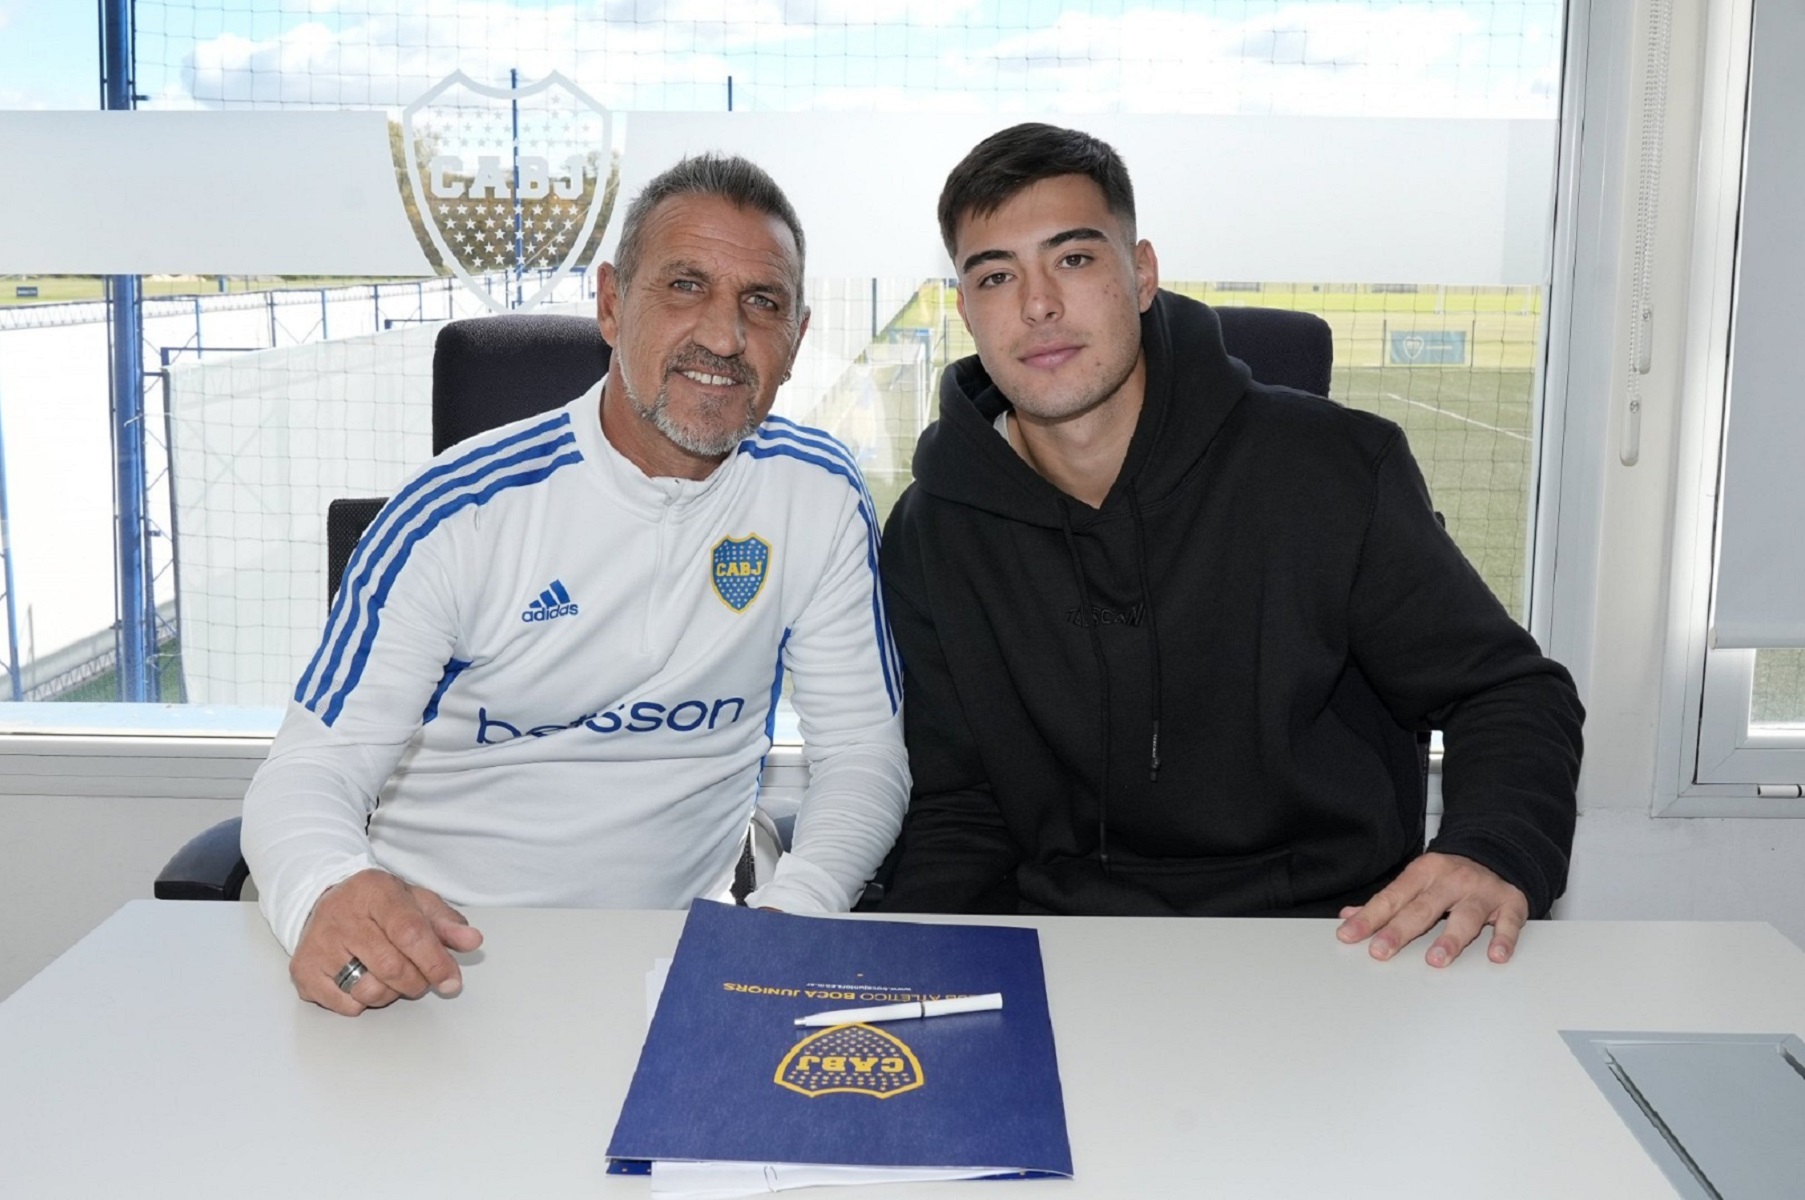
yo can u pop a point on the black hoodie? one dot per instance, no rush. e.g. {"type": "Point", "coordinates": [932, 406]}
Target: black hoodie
{"type": "Point", "coordinates": [1202, 698]}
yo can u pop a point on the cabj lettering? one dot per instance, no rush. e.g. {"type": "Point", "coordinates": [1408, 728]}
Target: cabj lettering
{"type": "Point", "coordinates": [491, 179]}
{"type": "Point", "coordinates": [835, 1064]}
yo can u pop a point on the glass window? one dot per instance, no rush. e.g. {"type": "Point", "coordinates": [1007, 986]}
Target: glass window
{"type": "Point", "coordinates": [265, 398]}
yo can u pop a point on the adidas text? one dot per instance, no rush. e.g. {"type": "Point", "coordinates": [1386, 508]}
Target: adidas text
{"type": "Point", "coordinates": [547, 614]}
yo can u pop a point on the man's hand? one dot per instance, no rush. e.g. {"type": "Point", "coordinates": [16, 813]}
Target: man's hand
{"type": "Point", "coordinates": [1469, 895]}
{"type": "Point", "coordinates": [400, 934]}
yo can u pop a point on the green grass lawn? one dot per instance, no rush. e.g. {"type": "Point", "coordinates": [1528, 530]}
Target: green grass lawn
{"type": "Point", "coordinates": [105, 687]}
{"type": "Point", "coordinates": [1469, 429]}
{"type": "Point", "coordinates": [55, 289]}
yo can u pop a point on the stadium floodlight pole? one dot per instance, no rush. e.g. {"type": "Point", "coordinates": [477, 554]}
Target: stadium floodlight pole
{"type": "Point", "coordinates": [12, 603]}
{"type": "Point", "coordinates": [136, 637]}
{"type": "Point", "coordinates": [519, 241]}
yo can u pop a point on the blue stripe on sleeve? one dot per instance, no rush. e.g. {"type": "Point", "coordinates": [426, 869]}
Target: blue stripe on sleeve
{"type": "Point", "coordinates": [783, 429]}
{"type": "Point", "coordinates": [785, 448]}
{"type": "Point", "coordinates": [776, 691]}
{"type": "Point", "coordinates": [450, 507]}
{"type": "Point", "coordinates": [359, 567]}
{"type": "Point", "coordinates": [779, 427]}
{"type": "Point", "coordinates": [373, 554]}
{"type": "Point", "coordinates": [453, 668]}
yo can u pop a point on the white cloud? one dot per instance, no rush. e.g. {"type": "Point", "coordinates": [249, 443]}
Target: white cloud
{"type": "Point", "coordinates": [1306, 59]}
{"type": "Point", "coordinates": [877, 12]}
{"type": "Point", "coordinates": [1330, 34]}
{"type": "Point", "coordinates": [1312, 57]}
{"type": "Point", "coordinates": [387, 61]}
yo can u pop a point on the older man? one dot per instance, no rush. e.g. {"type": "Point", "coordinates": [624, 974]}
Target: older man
{"type": "Point", "coordinates": [551, 671]}
{"type": "Point", "coordinates": [1170, 633]}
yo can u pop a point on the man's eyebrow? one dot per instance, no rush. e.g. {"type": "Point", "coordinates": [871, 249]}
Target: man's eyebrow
{"type": "Point", "coordinates": [684, 266]}
{"type": "Point", "coordinates": [984, 256]}
{"type": "Point", "coordinates": [773, 288]}
{"type": "Point", "coordinates": [1082, 234]}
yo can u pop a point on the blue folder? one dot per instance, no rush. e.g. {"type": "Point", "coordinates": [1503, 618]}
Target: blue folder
{"type": "Point", "coordinates": [726, 1074]}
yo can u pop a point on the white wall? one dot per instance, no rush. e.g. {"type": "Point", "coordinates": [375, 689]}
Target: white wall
{"type": "Point", "coordinates": [84, 830]}
{"type": "Point", "coordinates": [67, 862]}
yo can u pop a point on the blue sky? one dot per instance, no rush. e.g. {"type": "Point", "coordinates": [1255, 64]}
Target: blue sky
{"type": "Point", "coordinates": [49, 54]}
{"type": "Point", "coordinates": [1372, 57]}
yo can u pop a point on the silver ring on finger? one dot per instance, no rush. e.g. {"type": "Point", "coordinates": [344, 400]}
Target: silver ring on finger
{"type": "Point", "coordinates": [349, 974]}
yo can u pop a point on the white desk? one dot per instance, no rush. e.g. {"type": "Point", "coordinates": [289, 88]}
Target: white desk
{"type": "Point", "coordinates": [166, 1056]}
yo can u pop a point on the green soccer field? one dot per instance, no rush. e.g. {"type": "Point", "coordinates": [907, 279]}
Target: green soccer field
{"type": "Point", "coordinates": [59, 289]}
{"type": "Point", "coordinates": [1469, 429]}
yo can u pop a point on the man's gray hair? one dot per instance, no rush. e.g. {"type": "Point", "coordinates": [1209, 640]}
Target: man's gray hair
{"type": "Point", "coordinates": [739, 181]}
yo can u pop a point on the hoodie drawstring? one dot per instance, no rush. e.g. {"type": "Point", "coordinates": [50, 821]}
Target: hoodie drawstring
{"type": "Point", "coordinates": [1140, 537]}
{"type": "Point", "coordinates": [1087, 615]}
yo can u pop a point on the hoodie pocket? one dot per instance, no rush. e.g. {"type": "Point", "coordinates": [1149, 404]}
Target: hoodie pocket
{"type": "Point", "coordinates": [1208, 886]}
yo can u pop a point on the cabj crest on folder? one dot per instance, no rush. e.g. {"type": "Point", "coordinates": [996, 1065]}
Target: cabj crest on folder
{"type": "Point", "coordinates": [851, 1058]}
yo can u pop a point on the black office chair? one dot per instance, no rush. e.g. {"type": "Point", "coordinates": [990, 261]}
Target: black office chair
{"type": "Point", "coordinates": [491, 370]}
{"type": "Point", "coordinates": [1281, 347]}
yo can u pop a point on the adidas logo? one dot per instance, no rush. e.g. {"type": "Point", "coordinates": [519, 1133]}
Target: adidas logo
{"type": "Point", "coordinates": [552, 603]}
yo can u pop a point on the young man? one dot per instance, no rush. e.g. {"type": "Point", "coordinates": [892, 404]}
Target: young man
{"type": "Point", "coordinates": [550, 674]}
{"type": "Point", "coordinates": [1169, 634]}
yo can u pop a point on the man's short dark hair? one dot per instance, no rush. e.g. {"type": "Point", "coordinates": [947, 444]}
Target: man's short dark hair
{"type": "Point", "coordinates": [1004, 164]}
{"type": "Point", "coordinates": [739, 181]}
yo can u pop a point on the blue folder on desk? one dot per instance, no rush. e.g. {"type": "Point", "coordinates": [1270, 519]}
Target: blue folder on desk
{"type": "Point", "coordinates": [726, 1074]}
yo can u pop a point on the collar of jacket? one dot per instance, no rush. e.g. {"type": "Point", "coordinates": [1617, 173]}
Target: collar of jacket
{"type": "Point", "coordinates": [631, 490]}
{"type": "Point", "coordinates": [1192, 384]}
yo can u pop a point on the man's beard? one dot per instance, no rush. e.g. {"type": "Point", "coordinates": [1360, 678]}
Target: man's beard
{"type": "Point", "coordinates": [702, 443]}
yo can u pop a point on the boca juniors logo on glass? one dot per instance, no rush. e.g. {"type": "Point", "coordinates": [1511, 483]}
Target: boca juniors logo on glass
{"type": "Point", "coordinates": [737, 568]}
{"type": "Point", "coordinates": [851, 1058]}
{"type": "Point", "coordinates": [508, 181]}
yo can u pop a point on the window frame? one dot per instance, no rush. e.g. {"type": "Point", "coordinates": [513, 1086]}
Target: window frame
{"type": "Point", "coordinates": [1713, 763]}
{"type": "Point", "coordinates": [1580, 356]}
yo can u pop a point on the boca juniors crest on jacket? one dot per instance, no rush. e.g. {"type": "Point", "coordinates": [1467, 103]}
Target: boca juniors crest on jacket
{"type": "Point", "coordinates": [739, 566]}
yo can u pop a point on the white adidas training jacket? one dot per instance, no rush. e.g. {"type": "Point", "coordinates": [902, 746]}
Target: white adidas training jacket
{"type": "Point", "coordinates": [560, 677]}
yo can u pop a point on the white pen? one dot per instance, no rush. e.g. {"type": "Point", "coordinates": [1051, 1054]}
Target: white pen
{"type": "Point", "coordinates": [988, 1002]}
